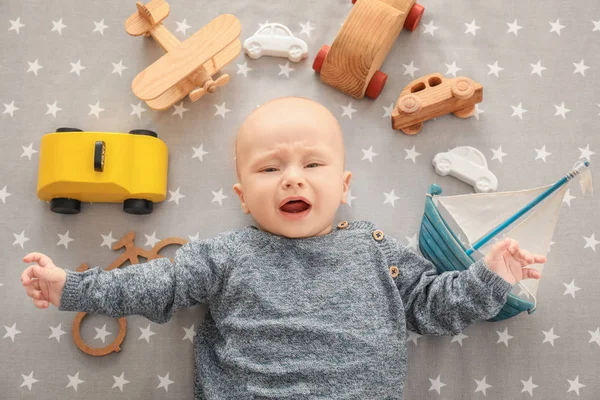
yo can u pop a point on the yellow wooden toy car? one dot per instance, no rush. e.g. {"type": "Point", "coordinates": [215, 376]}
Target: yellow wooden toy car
{"type": "Point", "coordinates": [129, 168]}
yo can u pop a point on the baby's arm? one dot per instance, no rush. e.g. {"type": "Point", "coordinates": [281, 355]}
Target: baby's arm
{"type": "Point", "coordinates": [155, 290]}
{"type": "Point", "coordinates": [447, 303]}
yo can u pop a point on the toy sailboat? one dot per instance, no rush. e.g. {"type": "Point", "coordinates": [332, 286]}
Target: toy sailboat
{"type": "Point", "coordinates": [528, 216]}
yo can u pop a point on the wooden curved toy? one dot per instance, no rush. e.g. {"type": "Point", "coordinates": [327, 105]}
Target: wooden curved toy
{"type": "Point", "coordinates": [352, 62]}
{"type": "Point", "coordinates": [432, 96]}
{"type": "Point", "coordinates": [188, 66]}
{"type": "Point", "coordinates": [130, 254]}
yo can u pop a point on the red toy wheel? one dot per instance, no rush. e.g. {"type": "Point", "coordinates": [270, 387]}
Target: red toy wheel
{"type": "Point", "coordinates": [320, 58]}
{"type": "Point", "coordinates": [376, 85]}
{"type": "Point", "coordinates": [414, 17]}
{"type": "Point", "coordinates": [353, 1]}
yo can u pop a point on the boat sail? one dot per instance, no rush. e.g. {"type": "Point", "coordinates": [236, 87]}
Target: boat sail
{"type": "Point", "coordinates": [528, 216]}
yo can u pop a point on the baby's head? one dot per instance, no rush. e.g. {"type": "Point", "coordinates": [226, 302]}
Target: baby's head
{"type": "Point", "coordinates": [290, 166]}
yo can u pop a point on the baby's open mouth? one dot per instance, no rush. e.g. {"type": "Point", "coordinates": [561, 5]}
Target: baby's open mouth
{"type": "Point", "coordinates": [295, 206]}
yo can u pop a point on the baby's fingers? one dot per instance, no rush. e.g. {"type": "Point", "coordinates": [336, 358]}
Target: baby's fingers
{"type": "Point", "coordinates": [41, 303]}
{"type": "Point", "coordinates": [34, 291]}
{"type": "Point", "coordinates": [531, 273]}
{"type": "Point", "coordinates": [526, 256]}
{"type": "Point", "coordinates": [27, 275]}
{"type": "Point", "coordinates": [42, 259]}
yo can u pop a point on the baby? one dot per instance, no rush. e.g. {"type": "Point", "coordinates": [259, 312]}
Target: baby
{"type": "Point", "coordinates": [298, 308]}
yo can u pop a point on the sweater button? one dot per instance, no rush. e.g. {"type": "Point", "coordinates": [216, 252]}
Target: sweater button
{"type": "Point", "coordinates": [343, 225]}
{"type": "Point", "coordinates": [378, 235]}
{"type": "Point", "coordinates": [394, 271]}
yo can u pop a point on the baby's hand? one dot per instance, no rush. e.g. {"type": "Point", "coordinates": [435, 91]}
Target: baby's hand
{"type": "Point", "coordinates": [510, 262]}
{"type": "Point", "coordinates": [44, 281]}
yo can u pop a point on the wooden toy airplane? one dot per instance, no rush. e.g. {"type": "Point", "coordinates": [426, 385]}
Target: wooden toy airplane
{"type": "Point", "coordinates": [188, 66]}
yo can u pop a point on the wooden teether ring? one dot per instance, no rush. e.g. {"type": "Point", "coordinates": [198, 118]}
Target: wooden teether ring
{"type": "Point", "coordinates": [115, 346]}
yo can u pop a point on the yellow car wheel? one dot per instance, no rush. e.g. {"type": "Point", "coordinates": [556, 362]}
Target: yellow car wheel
{"type": "Point", "coordinates": [138, 206]}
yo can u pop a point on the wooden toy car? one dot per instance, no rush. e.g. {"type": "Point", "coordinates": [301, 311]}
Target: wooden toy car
{"type": "Point", "coordinates": [432, 96]}
{"type": "Point", "coordinates": [128, 168]}
{"type": "Point", "coordinates": [275, 40]}
{"type": "Point", "coordinates": [352, 62]}
{"type": "Point", "coordinates": [467, 164]}
{"type": "Point", "coordinates": [188, 66]}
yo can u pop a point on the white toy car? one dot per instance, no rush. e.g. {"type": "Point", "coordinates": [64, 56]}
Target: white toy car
{"type": "Point", "coordinates": [275, 40]}
{"type": "Point", "coordinates": [469, 165]}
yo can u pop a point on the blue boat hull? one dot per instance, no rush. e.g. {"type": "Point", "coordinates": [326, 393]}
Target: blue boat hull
{"type": "Point", "coordinates": [440, 245]}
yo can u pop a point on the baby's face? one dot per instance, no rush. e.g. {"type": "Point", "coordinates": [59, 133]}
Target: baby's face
{"type": "Point", "coordinates": [290, 160]}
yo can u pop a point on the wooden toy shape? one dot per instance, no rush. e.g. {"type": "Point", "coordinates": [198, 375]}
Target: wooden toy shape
{"type": "Point", "coordinates": [275, 40]}
{"type": "Point", "coordinates": [352, 62]}
{"type": "Point", "coordinates": [76, 166]}
{"type": "Point", "coordinates": [131, 254]}
{"type": "Point", "coordinates": [188, 66]}
{"type": "Point", "coordinates": [432, 96]}
{"type": "Point", "coordinates": [467, 164]}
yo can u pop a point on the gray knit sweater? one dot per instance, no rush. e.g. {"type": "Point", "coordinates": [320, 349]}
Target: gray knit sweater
{"type": "Point", "coordinates": [315, 318]}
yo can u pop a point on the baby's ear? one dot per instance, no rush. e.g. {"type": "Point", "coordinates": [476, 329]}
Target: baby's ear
{"type": "Point", "coordinates": [346, 186]}
{"type": "Point", "coordinates": [237, 188]}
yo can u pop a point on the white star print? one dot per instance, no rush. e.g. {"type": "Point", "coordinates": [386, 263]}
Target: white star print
{"type": "Point", "coordinates": [388, 110]}
{"type": "Point", "coordinates": [472, 28]}
{"type": "Point", "coordinates": [179, 109]}
{"type": "Point", "coordinates": [146, 333]}
{"type": "Point", "coordinates": [137, 110]}
{"type": "Point", "coordinates": [199, 152]}
{"type": "Point", "coordinates": [221, 110]}
{"type": "Point", "coordinates": [190, 333]}
{"type": "Point", "coordinates": [504, 337]}
{"type": "Point", "coordinates": [350, 198]}
{"type": "Point", "coordinates": [306, 28]}
{"type": "Point", "coordinates": [477, 112]}
{"type": "Point", "coordinates": [53, 109]}
{"type": "Point", "coordinates": [4, 194]}
{"type": "Point", "coordinates": [436, 384]}
{"type": "Point", "coordinates": [556, 26]}
{"type": "Point", "coordinates": [260, 26]}
{"type": "Point", "coordinates": [20, 239]}
{"type": "Point", "coordinates": [591, 242]}
{"type": "Point", "coordinates": [412, 242]}
{"type": "Point", "coordinates": [567, 199]}
{"type": "Point", "coordinates": [429, 28]}
{"type": "Point", "coordinates": [74, 381]}
{"type": "Point", "coordinates": [411, 154]}
{"type": "Point", "coordinates": [243, 69]}
{"type": "Point", "coordinates": [64, 240]}
{"type": "Point", "coordinates": [498, 154]}
{"type": "Point", "coordinates": [410, 69]}
{"type": "Point", "coordinates": [390, 198]}
{"type": "Point", "coordinates": [15, 25]}
{"type": "Point", "coordinates": [494, 69]}
{"type": "Point", "coordinates": [102, 333]}
{"type": "Point", "coordinates": [164, 382]}
{"type": "Point", "coordinates": [482, 386]}
{"type": "Point", "coordinates": [118, 68]}
{"type": "Point", "coordinates": [108, 240]}
{"type": "Point", "coordinates": [194, 238]}
{"type": "Point", "coordinates": [368, 154]}
{"type": "Point", "coordinates": [586, 153]}
{"type": "Point", "coordinates": [580, 67]}
{"type": "Point", "coordinates": [182, 26]}
{"type": "Point", "coordinates": [452, 69]}
{"type": "Point", "coordinates": [28, 380]}
{"type": "Point", "coordinates": [518, 111]}
{"type": "Point", "coordinates": [348, 110]}
{"type": "Point", "coordinates": [550, 336]}
{"type": "Point", "coordinates": [34, 67]}
{"type": "Point", "coordinates": [77, 67]}
{"type": "Point", "coordinates": [119, 381]}
{"type": "Point", "coordinates": [571, 288]}
{"type": "Point", "coordinates": [528, 386]}
{"type": "Point", "coordinates": [513, 27]}
{"type": "Point", "coordinates": [561, 110]}
{"type": "Point", "coordinates": [176, 196]}
{"type": "Point", "coordinates": [58, 26]}
{"type": "Point", "coordinates": [459, 338]}
{"type": "Point", "coordinates": [542, 153]}
{"type": "Point", "coordinates": [99, 27]}
{"type": "Point", "coordinates": [95, 109]}
{"type": "Point", "coordinates": [413, 337]}
{"type": "Point", "coordinates": [537, 68]}
{"type": "Point", "coordinates": [596, 25]}
{"type": "Point", "coordinates": [595, 336]}
{"type": "Point", "coordinates": [151, 240]}
{"type": "Point", "coordinates": [574, 385]}
{"type": "Point", "coordinates": [10, 108]}
{"type": "Point", "coordinates": [285, 69]}
{"type": "Point", "coordinates": [28, 151]}
{"type": "Point", "coordinates": [11, 332]}
{"type": "Point", "coordinates": [218, 196]}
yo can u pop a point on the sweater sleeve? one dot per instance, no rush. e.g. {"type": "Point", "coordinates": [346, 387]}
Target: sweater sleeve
{"type": "Point", "coordinates": [445, 304]}
{"type": "Point", "coordinates": [155, 289]}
